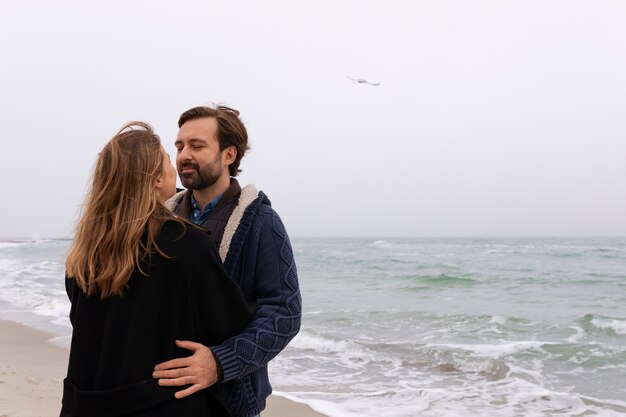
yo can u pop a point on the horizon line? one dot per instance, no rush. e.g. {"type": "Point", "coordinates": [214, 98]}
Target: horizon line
{"type": "Point", "coordinates": [41, 238]}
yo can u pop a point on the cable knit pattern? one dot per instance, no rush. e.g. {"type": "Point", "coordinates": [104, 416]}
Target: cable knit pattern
{"type": "Point", "coordinates": [260, 259]}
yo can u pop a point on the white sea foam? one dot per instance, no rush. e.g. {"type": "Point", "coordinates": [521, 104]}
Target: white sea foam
{"type": "Point", "coordinates": [31, 278]}
{"type": "Point", "coordinates": [425, 399]}
{"type": "Point", "coordinates": [62, 341]}
{"type": "Point", "coordinates": [339, 357]}
{"type": "Point", "coordinates": [381, 244]}
{"type": "Point", "coordinates": [321, 344]}
{"type": "Point", "coordinates": [56, 308]}
{"type": "Point", "coordinates": [495, 324]}
{"type": "Point", "coordinates": [616, 325]}
{"type": "Point", "coordinates": [578, 336]}
{"type": "Point", "coordinates": [495, 350]}
{"type": "Point", "coordinates": [4, 245]}
{"type": "Point", "coordinates": [500, 320]}
{"type": "Point", "coordinates": [411, 389]}
{"type": "Point", "coordinates": [312, 313]}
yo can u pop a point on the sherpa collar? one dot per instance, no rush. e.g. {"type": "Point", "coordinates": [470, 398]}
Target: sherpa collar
{"type": "Point", "coordinates": [249, 193]}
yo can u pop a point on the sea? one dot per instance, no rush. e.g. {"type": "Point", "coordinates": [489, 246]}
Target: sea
{"type": "Point", "coordinates": [420, 327]}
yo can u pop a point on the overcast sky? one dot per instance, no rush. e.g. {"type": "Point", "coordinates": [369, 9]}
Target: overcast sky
{"type": "Point", "coordinates": [492, 118]}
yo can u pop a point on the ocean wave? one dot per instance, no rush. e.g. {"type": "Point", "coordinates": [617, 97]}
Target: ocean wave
{"type": "Point", "coordinates": [34, 283]}
{"type": "Point", "coordinates": [380, 244]}
{"type": "Point", "coordinates": [440, 280]}
{"type": "Point", "coordinates": [445, 279]}
{"type": "Point", "coordinates": [571, 251]}
{"type": "Point", "coordinates": [7, 266]}
{"type": "Point", "coordinates": [430, 395]}
{"type": "Point", "coordinates": [592, 323]}
{"type": "Point", "coordinates": [493, 350]}
{"type": "Point", "coordinates": [491, 369]}
{"type": "Point", "coordinates": [323, 344]}
{"type": "Point", "coordinates": [4, 245]}
{"type": "Point", "coordinates": [508, 250]}
{"type": "Point", "coordinates": [499, 320]}
{"type": "Point", "coordinates": [433, 380]}
{"type": "Point", "coordinates": [578, 335]}
{"type": "Point", "coordinates": [54, 307]}
{"type": "Point", "coordinates": [602, 404]}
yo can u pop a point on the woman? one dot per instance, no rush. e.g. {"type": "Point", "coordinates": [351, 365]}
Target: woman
{"type": "Point", "coordinates": [139, 279]}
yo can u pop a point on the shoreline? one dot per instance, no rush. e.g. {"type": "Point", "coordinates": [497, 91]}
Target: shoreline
{"type": "Point", "coordinates": [32, 371]}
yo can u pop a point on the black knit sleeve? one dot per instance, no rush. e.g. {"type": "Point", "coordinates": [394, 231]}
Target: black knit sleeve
{"type": "Point", "coordinates": [219, 307]}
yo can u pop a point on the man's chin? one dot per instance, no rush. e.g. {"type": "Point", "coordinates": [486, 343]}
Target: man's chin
{"type": "Point", "coordinates": [188, 183]}
{"type": "Point", "coordinates": [193, 182]}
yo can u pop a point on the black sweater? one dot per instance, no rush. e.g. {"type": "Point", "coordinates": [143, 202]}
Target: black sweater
{"type": "Point", "coordinates": [116, 342]}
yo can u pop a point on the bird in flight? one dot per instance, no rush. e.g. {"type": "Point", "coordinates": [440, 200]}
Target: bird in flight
{"type": "Point", "coordinates": [362, 81]}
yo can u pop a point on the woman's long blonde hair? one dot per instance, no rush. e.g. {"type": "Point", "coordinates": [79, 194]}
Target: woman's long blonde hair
{"type": "Point", "coordinates": [120, 208]}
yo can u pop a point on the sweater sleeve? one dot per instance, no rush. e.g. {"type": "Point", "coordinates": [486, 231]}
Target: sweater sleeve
{"type": "Point", "coordinates": [278, 315]}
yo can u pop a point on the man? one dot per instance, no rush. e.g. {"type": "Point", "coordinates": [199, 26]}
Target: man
{"type": "Point", "coordinates": [255, 251]}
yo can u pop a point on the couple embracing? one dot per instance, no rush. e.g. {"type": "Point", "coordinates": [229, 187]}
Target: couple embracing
{"type": "Point", "coordinates": [178, 300]}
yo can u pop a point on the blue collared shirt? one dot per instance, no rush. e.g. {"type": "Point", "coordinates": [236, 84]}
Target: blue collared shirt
{"type": "Point", "coordinates": [198, 215]}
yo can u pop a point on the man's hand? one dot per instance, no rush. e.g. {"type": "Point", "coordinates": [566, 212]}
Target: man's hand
{"type": "Point", "coordinates": [199, 370]}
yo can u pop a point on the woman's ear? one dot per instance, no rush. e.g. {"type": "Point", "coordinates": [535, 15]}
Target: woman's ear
{"type": "Point", "coordinates": [158, 183]}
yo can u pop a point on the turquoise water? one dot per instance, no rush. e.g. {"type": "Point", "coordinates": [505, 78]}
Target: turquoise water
{"type": "Point", "coordinates": [423, 327]}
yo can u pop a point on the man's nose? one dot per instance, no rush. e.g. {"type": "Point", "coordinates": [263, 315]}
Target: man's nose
{"type": "Point", "coordinates": [183, 154]}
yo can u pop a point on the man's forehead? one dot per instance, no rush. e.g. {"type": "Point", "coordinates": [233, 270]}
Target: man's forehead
{"type": "Point", "coordinates": [201, 122]}
{"type": "Point", "coordinates": [195, 132]}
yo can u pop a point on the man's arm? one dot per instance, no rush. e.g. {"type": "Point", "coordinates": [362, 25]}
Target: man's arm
{"type": "Point", "coordinates": [275, 323]}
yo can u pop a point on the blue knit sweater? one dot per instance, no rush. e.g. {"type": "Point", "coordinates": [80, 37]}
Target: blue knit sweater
{"type": "Point", "coordinates": [257, 254]}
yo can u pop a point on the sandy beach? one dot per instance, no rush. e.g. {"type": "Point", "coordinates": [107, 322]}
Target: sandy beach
{"type": "Point", "coordinates": [32, 369]}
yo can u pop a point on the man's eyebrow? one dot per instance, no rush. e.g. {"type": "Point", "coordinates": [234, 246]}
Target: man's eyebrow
{"type": "Point", "coordinates": [192, 140]}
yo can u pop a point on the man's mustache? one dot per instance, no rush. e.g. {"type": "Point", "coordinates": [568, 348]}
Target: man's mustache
{"type": "Point", "coordinates": [188, 165]}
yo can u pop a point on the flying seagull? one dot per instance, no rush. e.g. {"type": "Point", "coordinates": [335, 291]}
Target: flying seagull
{"type": "Point", "coordinates": [362, 81]}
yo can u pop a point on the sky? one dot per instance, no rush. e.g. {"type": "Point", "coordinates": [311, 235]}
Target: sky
{"type": "Point", "coordinates": [492, 118]}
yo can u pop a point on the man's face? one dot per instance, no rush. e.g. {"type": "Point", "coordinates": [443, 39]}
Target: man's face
{"type": "Point", "coordinates": [198, 157]}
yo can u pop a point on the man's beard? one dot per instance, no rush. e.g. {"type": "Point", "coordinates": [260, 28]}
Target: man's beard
{"type": "Point", "coordinates": [203, 177]}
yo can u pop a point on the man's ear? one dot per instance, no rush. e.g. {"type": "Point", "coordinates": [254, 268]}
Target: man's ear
{"type": "Point", "coordinates": [229, 154]}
